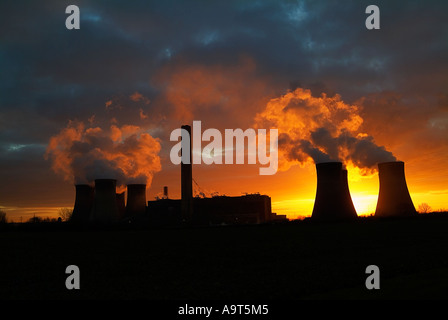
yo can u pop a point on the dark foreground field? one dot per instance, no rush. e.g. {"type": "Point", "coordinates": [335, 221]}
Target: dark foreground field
{"type": "Point", "coordinates": [288, 261]}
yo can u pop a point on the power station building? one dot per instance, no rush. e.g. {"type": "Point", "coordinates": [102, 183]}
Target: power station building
{"type": "Point", "coordinates": [101, 204]}
{"type": "Point", "coordinates": [247, 209]}
{"type": "Point", "coordinates": [333, 202]}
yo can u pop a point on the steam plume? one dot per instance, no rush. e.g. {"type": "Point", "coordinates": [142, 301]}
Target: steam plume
{"type": "Point", "coordinates": [126, 153]}
{"type": "Point", "coordinates": [322, 129]}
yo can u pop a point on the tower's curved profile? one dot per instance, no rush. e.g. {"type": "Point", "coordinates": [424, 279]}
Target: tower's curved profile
{"type": "Point", "coordinates": [348, 205]}
{"type": "Point", "coordinates": [83, 203]}
{"type": "Point", "coordinates": [105, 207]}
{"type": "Point", "coordinates": [394, 199]}
{"type": "Point", "coordinates": [136, 201]}
{"type": "Point", "coordinates": [333, 200]}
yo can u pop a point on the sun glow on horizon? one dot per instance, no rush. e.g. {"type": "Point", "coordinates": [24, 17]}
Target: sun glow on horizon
{"type": "Point", "coordinates": [365, 204]}
{"type": "Point", "coordinates": [23, 214]}
{"type": "Point", "coordinates": [294, 208]}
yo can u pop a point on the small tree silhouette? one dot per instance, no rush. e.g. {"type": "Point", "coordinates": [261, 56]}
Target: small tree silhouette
{"type": "Point", "coordinates": [424, 208]}
{"type": "Point", "coordinates": [65, 213]}
{"type": "Point", "coordinates": [3, 218]}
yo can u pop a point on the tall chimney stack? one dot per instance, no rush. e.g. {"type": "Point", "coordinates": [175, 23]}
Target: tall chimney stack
{"type": "Point", "coordinates": [187, 178]}
{"type": "Point", "coordinates": [136, 203]}
{"type": "Point", "coordinates": [105, 207]}
{"type": "Point", "coordinates": [165, 192]}
{"type": "Point", "coordinates": [83, 203]}
{"type": "Point", "coordinates": [394, 199]}
{"type": "Point", "coordinates": [333, 200]}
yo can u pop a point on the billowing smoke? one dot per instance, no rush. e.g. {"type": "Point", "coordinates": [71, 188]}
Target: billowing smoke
{"type": "Point", "coordinates": [82, 154]}
{"type": "Point", "coordinates": [321, 129]}
{"type": "Point", "coordinates": [222, 96]}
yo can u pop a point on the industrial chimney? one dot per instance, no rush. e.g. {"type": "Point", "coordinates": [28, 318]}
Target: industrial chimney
{"type": "Point", "coordinates": [393, 199]}
{"type": "Point", "coordinates": [187, 179]}
{"type": "Point", "coordinates": [333, 200]}
{"type": "Point", "coordinates": [136, 203]}
{"type": "Point", "coordinates": [165, 192]}
{"type": "Point", "coordinates": [105, 207]}
{"type": "Point", "coordinates": [83, 203]}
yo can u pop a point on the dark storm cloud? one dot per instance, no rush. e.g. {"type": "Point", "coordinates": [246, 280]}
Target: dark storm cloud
{"type": "Point", "coordinates": [26, 177]}
{"type": "Point", "coordinates": [50, 75]}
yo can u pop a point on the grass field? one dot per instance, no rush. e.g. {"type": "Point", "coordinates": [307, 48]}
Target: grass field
{"type": "Point", "coordinates": [296, 260]}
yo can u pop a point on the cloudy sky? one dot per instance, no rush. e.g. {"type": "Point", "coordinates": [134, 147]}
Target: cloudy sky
{"type": "Point", "coordinates": [136, 70]}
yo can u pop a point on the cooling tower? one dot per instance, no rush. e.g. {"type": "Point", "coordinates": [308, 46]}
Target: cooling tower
{"type": "Point", "coordinates": [187, 182]}
{"type": "Point", "coordinates": [105, 207]}
{"type": "Point", "coordinates": [83, 203]}
{"type": "Point", "coordinates": [121, 203]}
{"type": "Point", "coordinates": [393, 199]}
{"type": "Point", "coordinates": [136, 203]}
{"type": "Point", "coordinates": [333, 200]}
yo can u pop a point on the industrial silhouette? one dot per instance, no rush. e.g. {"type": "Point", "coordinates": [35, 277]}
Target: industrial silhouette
{"type": "Point", "coordinates": [105, 208]}
{"type": "Point", "coordinates": [83, 203]}
{"type": "Point", "coordinates": [136, 203]}
{"type": "Point", "coordinates": [333, 202]}
{"type": "Point", "coordinates": [121, 203]}
{"type": "Point", "coordinates": [394, 198]}
{"type": "Point", "coordinates": [187, 179]}
{"type": "Point", "coordinates": [102, 204]}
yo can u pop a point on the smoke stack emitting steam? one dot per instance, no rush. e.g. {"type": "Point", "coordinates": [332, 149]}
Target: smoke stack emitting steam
{"type": "Point", "coordinates": [83, 203]}
{"type": "Point", "coordinates": [323, 129]}
{"type": "Point", "coordinates": [127, 154]}
{"type": "Point", "coordinates": [333, 200]}
{"type": "Point", "coordinates": [326, 131]}
{"type": "Point", "coordinates": [393, 198]}
{"type": "Point", "coordinates": [136, 203]}
{"type": "Point", "coordinates": [105, 208]}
